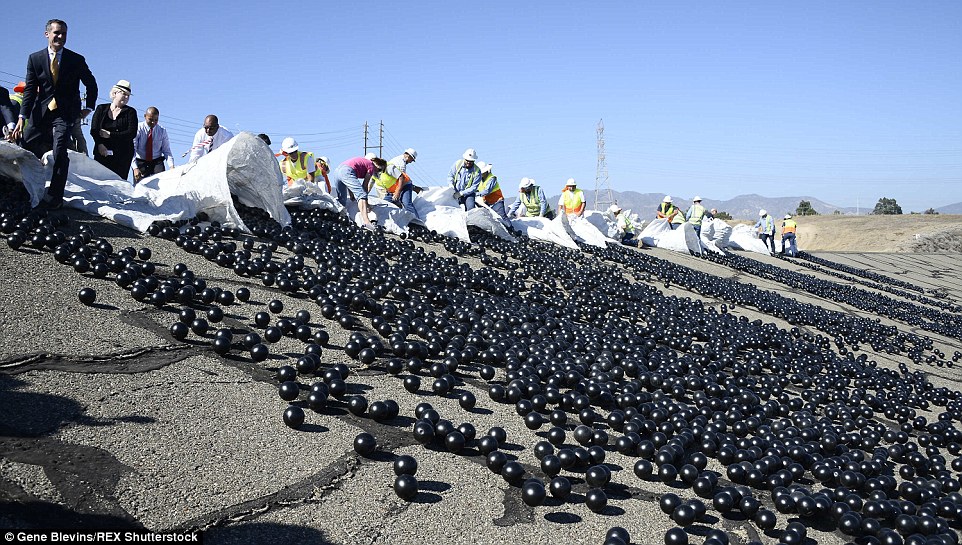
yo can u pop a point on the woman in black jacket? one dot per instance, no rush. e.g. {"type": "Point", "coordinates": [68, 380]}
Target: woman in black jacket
{"type": "Point", "coordinates": [113, 128]}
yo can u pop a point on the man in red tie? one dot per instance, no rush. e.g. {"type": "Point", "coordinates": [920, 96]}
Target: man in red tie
{"type": "Point", "coordinates": [51, 101]}
{"type": "Point", "coordinates": [151, 147]}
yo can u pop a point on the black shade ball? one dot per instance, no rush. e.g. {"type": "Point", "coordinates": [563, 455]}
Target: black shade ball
{"type": "Point", "coordinates": [560, 487]}
{"type": "Point", "coordinates": [405, 465]}
{"type": "Point", "coordinates": [596, 500]}
{"type": "Point", "coordinates": [533, 493]}
{"type": "Point", "coordinates": [289, 390]}
{"type": "Point", "coordinates": [87, 296]}
{"type": "Point", "coordinates": [406, 487]}
{"type": "Point", "coordinates": [294, 416]}
{"type": "Point", "coordinates": [179, 331]}
{"type": "Point", "coordinates": [365, 444]}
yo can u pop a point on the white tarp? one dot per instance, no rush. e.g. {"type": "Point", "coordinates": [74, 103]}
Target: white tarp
{"type": "Point", "coordinates": [659, 234]}
{"type": "Point", "coordinates": [715, 235]}
{"type": "Point", "coordinates": [441, 212]}
{"type": "Point", "coordinates": [243, 166]}
{"type": "Point", "coordinates": [483, 217]}
{"type": "Point", "coordinates": [583, 230]}
{"type": "Point", "coordinates": [608, 224]}
{"type": "Point", "coordinates": [604, 223]}
{"type": "Point", "coordinates": [304, 194]}
{"type": "Point", "coordinates": [744, 237]}
{"type": "Point", "coordinates": [538, 228]}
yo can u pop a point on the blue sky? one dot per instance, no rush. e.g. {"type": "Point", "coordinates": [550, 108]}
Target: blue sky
{"type": "Point", "coordinates": [843, 101]}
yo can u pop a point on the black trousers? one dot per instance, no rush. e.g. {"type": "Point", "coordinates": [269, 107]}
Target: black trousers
{"type": "Point", "coordinates": [52, 132]}
{"type": "Point", "coordinates": [149, 168]}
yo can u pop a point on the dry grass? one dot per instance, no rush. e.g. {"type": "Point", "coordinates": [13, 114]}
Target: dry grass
{"type": "Point", "coordinates": [902, 234]}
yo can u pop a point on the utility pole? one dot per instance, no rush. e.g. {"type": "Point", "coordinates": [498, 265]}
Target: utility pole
{"type": "Point", "coordinates": [380, 140]}
{"type": "Point", "coordinates": [603, 197]}
{"type": "Point", "coordinates": [365, 138]}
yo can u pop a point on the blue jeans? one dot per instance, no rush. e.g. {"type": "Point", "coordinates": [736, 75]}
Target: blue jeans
{"type": "Point", "coordinates": [407, 199]}
{"type": "Point", "coordinates": [343, 180]}
{"type": "Point", "coordinates": [697, 230]}
{"type": "Point", "coordinates": [791, 250]}
{"type": "Point", "coordinates": [466, 201]}
{"type": "Point", "coordinates": [499, 208]}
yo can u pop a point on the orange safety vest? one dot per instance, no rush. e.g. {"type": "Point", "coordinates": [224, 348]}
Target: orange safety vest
{"type": "Point", "coordinates": [572, 200]}
{"type": "Point", "coordinates": [390, 183]}
{"type": "Point", "coordinates": [495, 195]}
{"type": "Point", "coordinates": [789, 226]}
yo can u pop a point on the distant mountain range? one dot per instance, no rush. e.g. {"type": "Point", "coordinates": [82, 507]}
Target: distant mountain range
{"type": "Point", "coordinates": [950, 209]}
{"type": "Point", "coordinates": [744, 207]}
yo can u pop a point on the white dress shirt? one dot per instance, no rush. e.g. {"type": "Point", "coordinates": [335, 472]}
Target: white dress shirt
{"type": "Point", "coordinates": [204, 144]}
{"type": "Point", "coordinates": [160, 141]}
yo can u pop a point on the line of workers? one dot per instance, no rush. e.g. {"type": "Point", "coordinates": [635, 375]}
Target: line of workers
{"type": "Point", "coordinates": [470, 180]}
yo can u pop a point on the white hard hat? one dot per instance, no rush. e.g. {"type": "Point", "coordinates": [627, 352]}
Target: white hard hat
{"type": "Point", "coordinates": [667, 198]}
{"type": "Point", "coordinates": [696, 199]}
{"type": "Point", "coordinates": [469, 155]}
{"type": "Point", "coordinates": [324, 160]}
{"type": "Point", "coordinates": [614, 209]}
{"type": "Point", "coordinates": [412, 153]}
{"type": "Point", "coordinates": [289, 145]}
{"type": "Point", "coordinates": [485, 167]}
{"type": "Point", "coordinates": [762, 212]}
{"type": "Point", "coordinates": [526, 183]}
{"type": "Point", "coordinates": [370, 155]}
{"type": "Point", "coordinates": [571, 181]}
{"type": "Point", "coordinates": [788, 216]}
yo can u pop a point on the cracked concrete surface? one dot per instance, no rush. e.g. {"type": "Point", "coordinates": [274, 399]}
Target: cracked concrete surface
{"type": "Point", "coordinates": [106, 421]}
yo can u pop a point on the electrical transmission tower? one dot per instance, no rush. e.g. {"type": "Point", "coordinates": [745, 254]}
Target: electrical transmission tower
{"type": "Point", "coordinates": [603, 197]}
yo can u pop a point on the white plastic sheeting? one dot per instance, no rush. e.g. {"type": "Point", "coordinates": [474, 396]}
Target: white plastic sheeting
{"type": "Point", "coordinates": [608, 224]}
{"type": "Point", "coordinates": [715, 235]}
{"type": "Point", "coordinates": [243, 166]}
{"type": "Point", "coordinates": [304, 194]}
{"type": "Point", "coordinates": [681, 239]}
{"type": "Point", "coordinates": [582, 230]}
{"type": "Point", "coordinates": [743, 237]}
{"type": "Point", "coordinates": [543, 229]}
{"type": "Point", "coordinates": [441, 212]}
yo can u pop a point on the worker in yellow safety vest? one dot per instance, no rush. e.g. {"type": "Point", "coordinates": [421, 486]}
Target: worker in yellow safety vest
{"type": "Point", "coordinates": [696, 213]}
{"type": "Point", "coordinates": [296, 164]}
{"type": "Point", "coordinates": [572, 200]}
{"type": "Point", "coordinates": [765, 226]}
{"type": "Point", "coordinates": [531, 202]}
{"type": "Point", "coordinates": [490, 190]}
{"type": "Point", "coordinates": [789, 227]}
{"type": "Point", "coordinates": [669, 211]}
{"type": "Point", "coordinates": [625, 226]}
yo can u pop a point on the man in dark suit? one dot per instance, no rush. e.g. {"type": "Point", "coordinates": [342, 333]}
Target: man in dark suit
{"type": "Point", "coordinates": [51, 100]}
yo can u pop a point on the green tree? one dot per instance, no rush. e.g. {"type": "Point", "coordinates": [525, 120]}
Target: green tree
{"type": "Point", "coordinates": [931, 211]}
{"type": "Point", "coordinates": [887, 206]}
{"type": "Point", "coordinates": [723, 216]}
{"type": "Point", "coordinates": [805, 209]}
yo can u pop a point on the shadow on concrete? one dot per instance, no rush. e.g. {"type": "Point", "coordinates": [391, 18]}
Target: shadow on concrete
{"type": "Point", "coordinates": [276, 534]}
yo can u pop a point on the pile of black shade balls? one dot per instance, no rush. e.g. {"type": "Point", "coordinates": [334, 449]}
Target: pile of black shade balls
{"type": "Point", "coordinates": [586, 344]}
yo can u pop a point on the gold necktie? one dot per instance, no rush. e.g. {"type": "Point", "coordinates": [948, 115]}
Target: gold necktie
{"type": "Point", "coordinates": [55, 72]}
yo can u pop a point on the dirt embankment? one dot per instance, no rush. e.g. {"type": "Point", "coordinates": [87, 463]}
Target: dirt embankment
{"type": "Point", "coordinates": [904, 233]}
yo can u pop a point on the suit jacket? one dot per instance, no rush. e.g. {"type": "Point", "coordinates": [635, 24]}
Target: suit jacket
{"type": "Point", "coordinates": [40, 86]}
{"type": "Point", "coordinates": [6, 107]}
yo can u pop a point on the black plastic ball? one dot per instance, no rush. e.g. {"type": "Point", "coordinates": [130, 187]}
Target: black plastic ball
{"type": "Point", "coordinates": [365, 444]}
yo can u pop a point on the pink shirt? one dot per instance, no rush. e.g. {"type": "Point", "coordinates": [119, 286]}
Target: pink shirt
{"type": "Point", "coordinates": [362, 167]}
